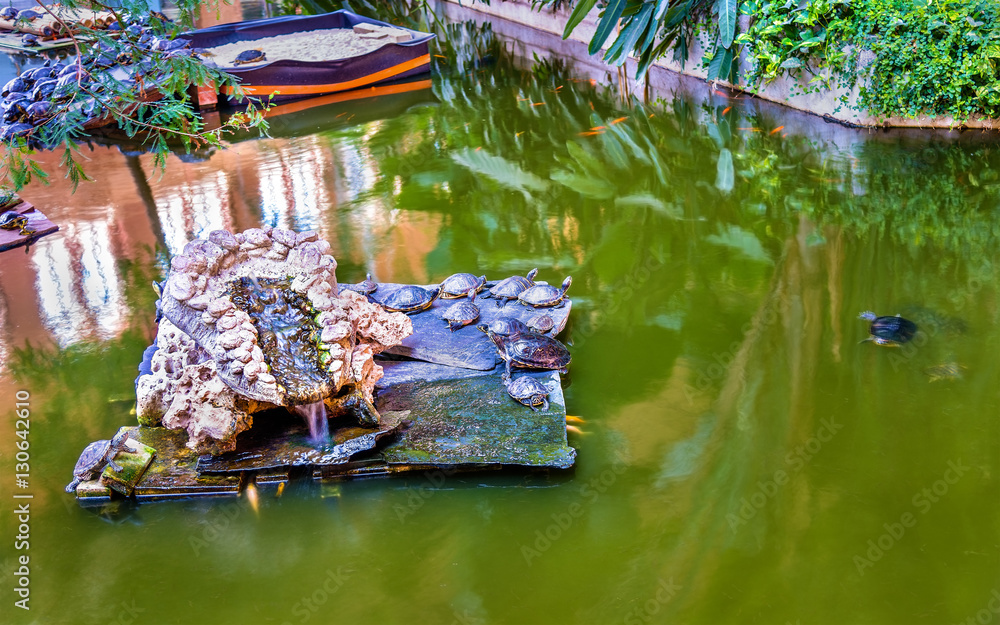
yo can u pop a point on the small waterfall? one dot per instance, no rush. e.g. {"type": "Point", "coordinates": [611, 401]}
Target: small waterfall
{"type": "Point", "coordinates": [315, 416]}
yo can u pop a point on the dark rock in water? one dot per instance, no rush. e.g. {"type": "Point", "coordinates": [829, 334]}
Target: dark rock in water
{"type": "Point", "coordinates": [467, 347]}
{"type": "Point", "coordinates": [262, 448]}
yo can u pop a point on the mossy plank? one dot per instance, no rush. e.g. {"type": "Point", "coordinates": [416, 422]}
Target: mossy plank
{"type": "Point", "coordinates": [133, 460]}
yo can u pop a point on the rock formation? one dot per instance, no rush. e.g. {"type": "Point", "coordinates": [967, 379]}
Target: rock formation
{"type": "Point", "coordinates": [253, 321]}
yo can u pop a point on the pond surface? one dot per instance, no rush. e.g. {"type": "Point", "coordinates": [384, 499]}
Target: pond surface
{"type": "Point", "coordinates": [744, 459]}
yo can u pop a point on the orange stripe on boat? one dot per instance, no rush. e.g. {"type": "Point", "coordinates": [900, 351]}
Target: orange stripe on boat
{"type": "Point", "coordinates": [294, 107]}
{"type": "Point", "coordinates": [389, 72]}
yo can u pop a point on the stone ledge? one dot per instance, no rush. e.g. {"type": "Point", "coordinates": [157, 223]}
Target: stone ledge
{"type": "Point", "coordinates": [780, 91]}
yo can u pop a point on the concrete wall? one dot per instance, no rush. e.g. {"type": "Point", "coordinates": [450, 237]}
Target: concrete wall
{"type": "Point", "coordinates": [518, 13]}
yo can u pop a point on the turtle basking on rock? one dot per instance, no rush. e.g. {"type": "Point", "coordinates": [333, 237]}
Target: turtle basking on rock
{"type": "Point", "coordinates": [529, 391]}
{"type": "Point", "coordinates": [545, 295]}
{"type": "Point", "coordinates": [889, 331]}
{"type": "Point", "coordinates": [366, 287]}
{"type": "Point", "coordinates": [95, 457]}
{"type": "Point", "coordinates": [541, 323]}
{"type": "Point", "coordinates": [406, 299]}
{"type": "Point", "coordinates": [505, 326]}
{"type": "Point", "coordinates": [8, 13]}
{"type": "Point", "coordinates": [250, 56]}
{"type": "Point", "coordinates": [510, 288]}
{"type": "Point", "coordinates": [462, 313]}
{"type": "Point", "coordinates": [459, 284]}
{"type": "Point", "coordinates": [530, 351]}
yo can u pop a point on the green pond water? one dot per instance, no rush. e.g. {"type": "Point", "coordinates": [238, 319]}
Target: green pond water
{"type": "Point", "coordinates": [744, 459]}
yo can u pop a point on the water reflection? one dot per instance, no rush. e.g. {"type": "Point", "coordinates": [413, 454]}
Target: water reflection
{"type": "Point", "coordinates": [748, 445]}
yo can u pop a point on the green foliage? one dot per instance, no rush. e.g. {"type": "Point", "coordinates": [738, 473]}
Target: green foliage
{"type": "Point", "coordinates": [147, 102]}
{"type": "Point", "coordinates": [932, 58]}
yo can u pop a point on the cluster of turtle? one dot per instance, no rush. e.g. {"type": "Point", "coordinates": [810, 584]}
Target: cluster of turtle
{"type": "Point", "coordinates": [38, 94]}
{"type": "Point", "coordinates": [519, 344]}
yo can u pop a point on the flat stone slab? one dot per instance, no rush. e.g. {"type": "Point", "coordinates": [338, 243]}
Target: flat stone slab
{"type": "Point", "coordinates": [474, 421]}
{"type": "Point", "coordinates": [173, 473]}
{"type": "Point", "coordinates": [467, 347]}
{"type": "Point", "coordinates": [134, 460]}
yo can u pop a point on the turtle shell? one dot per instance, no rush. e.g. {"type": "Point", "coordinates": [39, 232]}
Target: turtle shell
{"type": "Point", "coordinates": [407, 298]}
{"type": "Point", "coordinates": [459, 284]}
{"type": "Point", "coordinates": [541, 323]}
{"type": "Point", "coordinates": [892, 330]}
{"type": "Point", "coordinates": [12, 220]}
{"type": "Point", "coordinates": [92, 457]}
{"type": "Point", "coordinates": [510, 288]}
{"type": "Point", "coordinates": [532, 351]}
{"type": "Point", "coordinates": [529, 391]}
{"type": "Point", "coordinates": [28, 16]}
{"type": "Point", "coordinates": [365, 287]}
{"type": "Point", "coordinates": [250, 56]}
{"type": "Point", "coordinates": [461, 313]}
{"type": "Point", "coordinates": [14, 85]}
{"type": "Point", "coordinates": [505, 326]}
{"type": "Point", "coordinates": [541, 295]}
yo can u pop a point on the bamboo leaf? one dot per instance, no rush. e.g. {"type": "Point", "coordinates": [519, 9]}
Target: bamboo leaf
{"type": "Point", "coordinates": [725, 176]}
{"type": "Point", "coordinates": [500, 170]}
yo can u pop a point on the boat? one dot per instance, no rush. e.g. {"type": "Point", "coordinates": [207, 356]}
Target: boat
{"type": "Point", "coordinates": [286, 79]}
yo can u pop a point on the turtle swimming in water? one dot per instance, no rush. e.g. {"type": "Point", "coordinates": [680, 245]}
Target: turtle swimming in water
{"type": "Point", "coordinates": [95, 457]}
{"type": "Point", "coordinates": [889, 331]}
{"type": "Point", "coordinates": [250, 56]}
{"type": "Point", "coordinates": [530, 351]}
{"type": "Point", "coordinates": [529, 391]}
{"type": "Point", "coordinates": [543, 295]}
{"type": "Point", "coordinates": [462, 313]}
{"type": "Point", "coordinates": [945, 371]}
{"type": "Point", "coordinates": [12, 220]}
{"type": "Point", "coordinates": [509, 288]}
{"type": "Point", "coordinates": [458, 285]}
{"type": "Point", "coordinates": [407, 298]}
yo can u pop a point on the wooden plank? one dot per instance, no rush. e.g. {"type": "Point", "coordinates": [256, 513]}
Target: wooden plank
{"type": "Point", "coordinates": [9, 239]}
{"type": "Point", "coordinates": [12, 41]}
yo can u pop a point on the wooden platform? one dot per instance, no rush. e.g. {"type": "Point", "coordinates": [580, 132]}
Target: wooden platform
{"type": "Point", "coordinates": [9, 239]}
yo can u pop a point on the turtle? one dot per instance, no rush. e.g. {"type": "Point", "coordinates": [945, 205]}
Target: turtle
{"type": "Point", "coordinates": [509, 288]}
{"type": "Point", "coordinates": [541, 323]}
{"type": "Point", "coordinates": [8, 13]}
{"type": "Point", "coordinates": [250, 56]}
{"type": "Point", "coordinates": [12, 220]}
{"type": "Point", "coordinates": [407, 298]}
{"type": "Point", "coordinates": [43, 89]}
{"type": "Point", "coordinates": [945, 371]}
{"type": "Point", "coordinates": [529, 391]}
{"type": "Point", "coordinates": [544, 295]}
{"type": "Point", "coordinates": [14, 130]}
{"type": "Point", "coordinates": [14, 110]}
{"type": "Point", "coordinates": [458, 285]}
{"type": "Point", "coordinates": [39, 112]}
{"type": "Point", "coordinates": [30, 41]}
{"type": "Point", "coordinates": [28, 15]}
{"type": "Point", "coordinates": [505, 326]}
{"type": "Point", "coordinates": [95, 457]}
{"type": "Point", "coordinates": [889, 331]}
{"type": "Point", "coordinates": [530, 351]}
{"type": "Point", "coordinates": [166, 45]}
{"type": "Point", "coordinates": [14, 85]}
{"type": "Point", "coordinates": [365, 287]}
{"type": "Point", "coordinates": [462, 313]}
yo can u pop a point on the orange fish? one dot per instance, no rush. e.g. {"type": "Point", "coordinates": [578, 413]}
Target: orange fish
{"type": "Point", "coordinates": [776, 130]}
{"type": "Point", "coordinates": [726, 110]}
{"type": "Point", "coordinates": [597, 128]}
{"type": "Point", "coordinates": [537, 103]}
{"type": "Point", "coordinates": [618, 120]}
{"type": "Point", "coordinates": [590, 133]}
